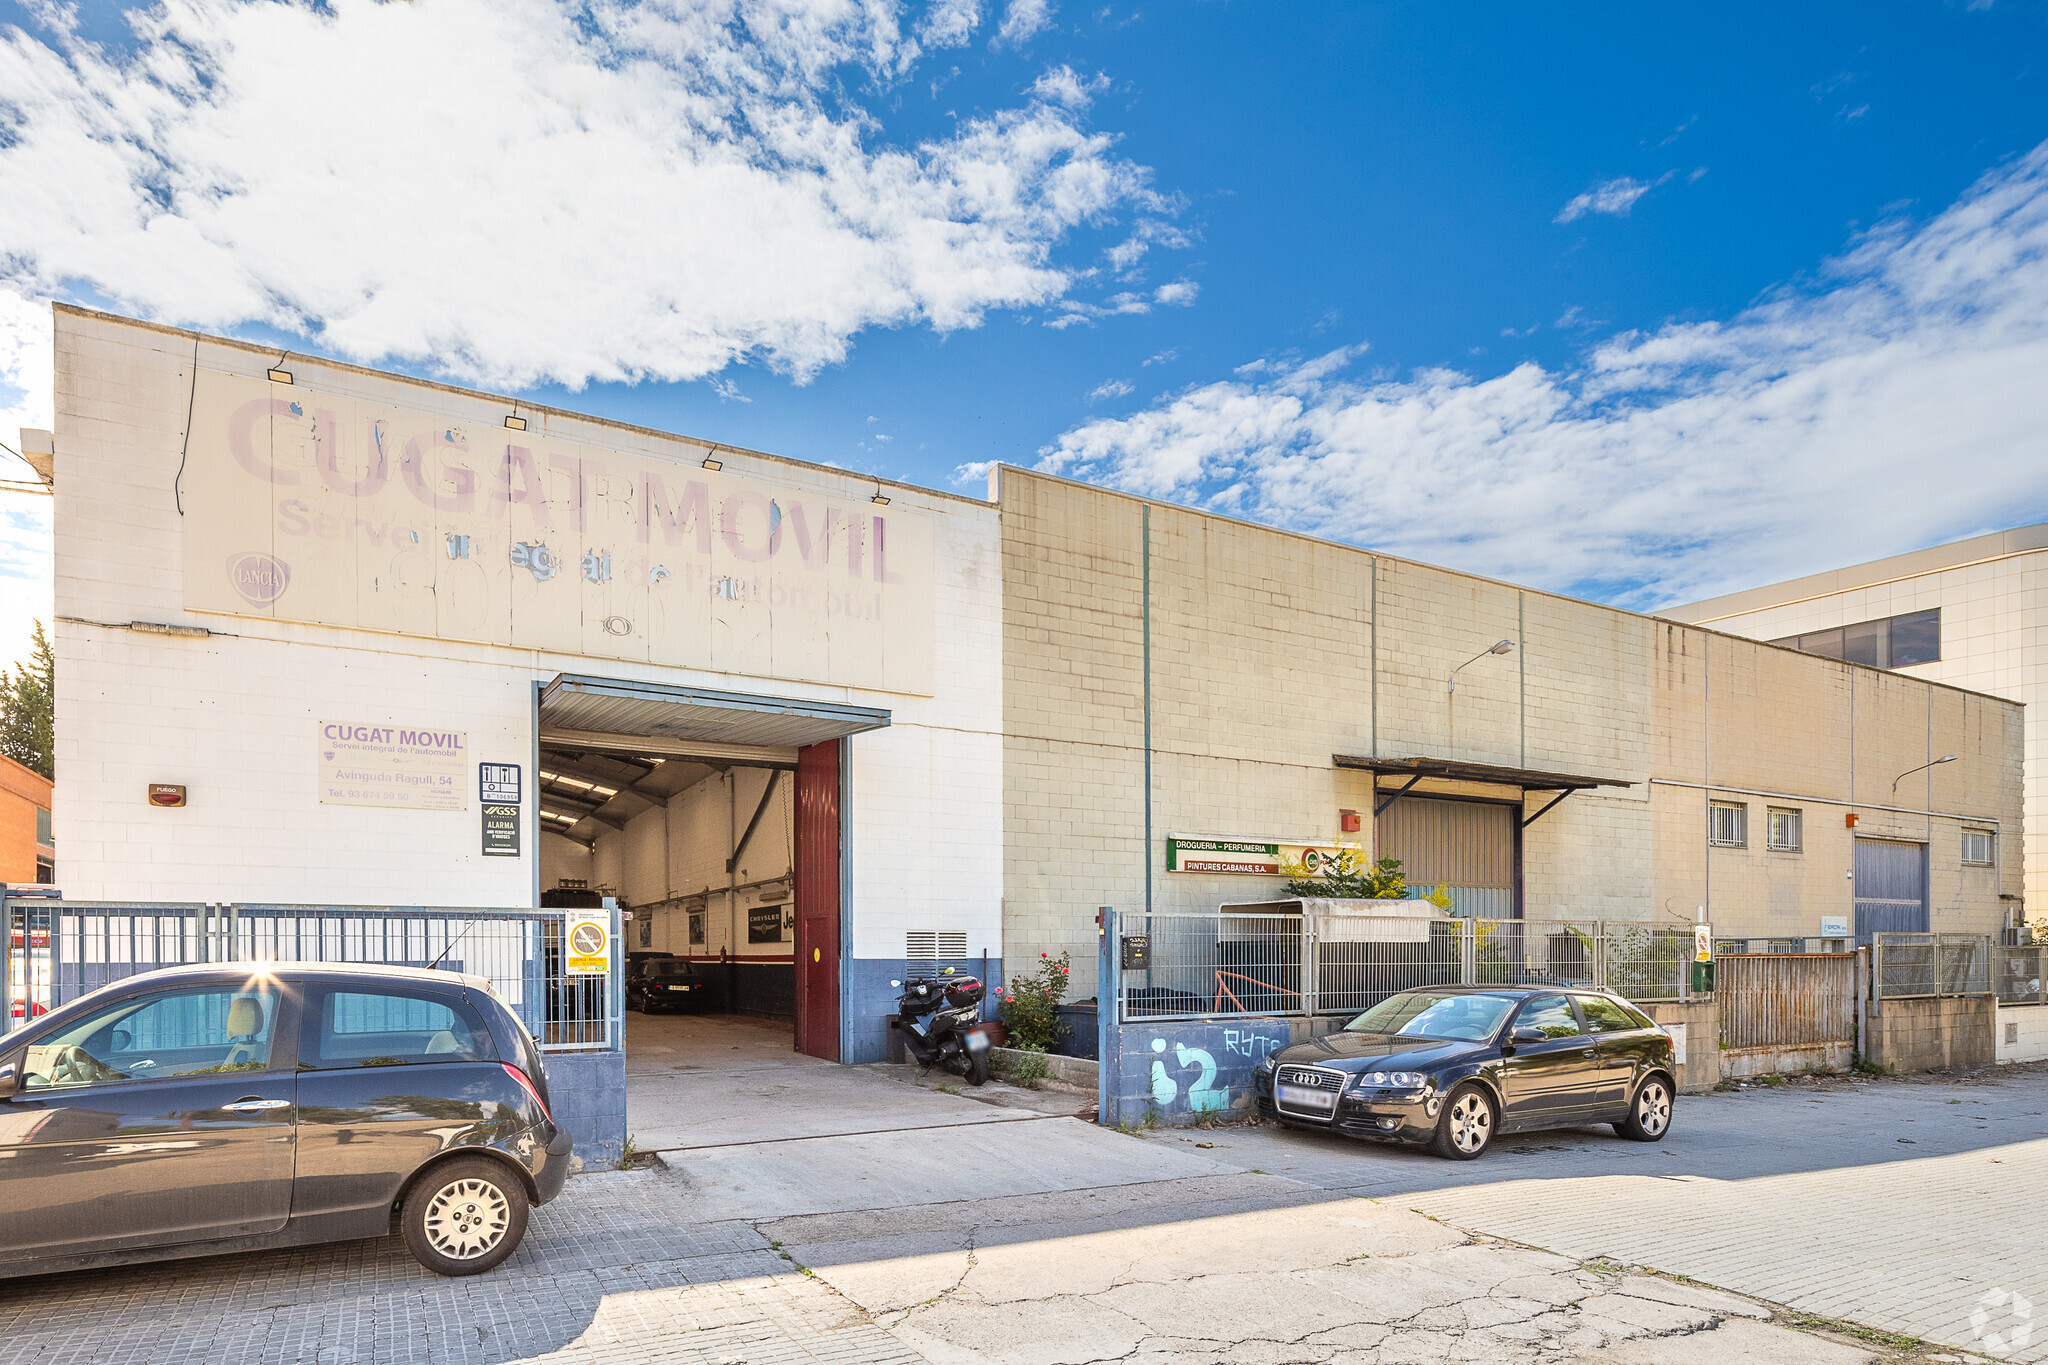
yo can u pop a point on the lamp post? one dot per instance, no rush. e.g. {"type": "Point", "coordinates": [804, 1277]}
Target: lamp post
{"type": "Point", "coordinates": [1945, 758]}
{"type": "Point", "coordinates": [1451, 691]}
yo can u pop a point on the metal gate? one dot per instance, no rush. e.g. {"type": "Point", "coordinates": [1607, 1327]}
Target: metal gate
{"type": "Point", "coordinates": [59, 950]}
{"type": "Point", "coordinates": [1891, 888]}
{"type": "Point", "coordinates": [1468, 846]}
{"type": "Point", "coordinates": [1786, 1011]}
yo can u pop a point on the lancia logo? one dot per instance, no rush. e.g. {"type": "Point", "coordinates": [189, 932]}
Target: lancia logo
{"type": "Point", "coordinates": [260, 578]}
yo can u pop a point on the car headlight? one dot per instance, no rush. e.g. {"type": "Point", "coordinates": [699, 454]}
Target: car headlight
{"type": "Point", "coordinates": [1394, 1080]}
{"type": "Point", "coordinates": [1267, 1066]}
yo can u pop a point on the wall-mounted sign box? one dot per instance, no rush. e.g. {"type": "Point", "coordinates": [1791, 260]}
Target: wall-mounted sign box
{"type": "Point", "coordinates": [166, 794]}
{"type": "Point", "coordinates": [1248, 857]}
{"type": "Point", "coordinates": [501, 831]}
{"type": "Point", "coordinates": [764, 925]}
{"type": "Point", "coordinates": [589, 942]}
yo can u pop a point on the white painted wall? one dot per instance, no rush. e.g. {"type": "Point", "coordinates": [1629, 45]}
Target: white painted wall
{"type": "Point", "coordinates": [232, 716]}
{"type": "Point", "coordinates": [2029, 1026]}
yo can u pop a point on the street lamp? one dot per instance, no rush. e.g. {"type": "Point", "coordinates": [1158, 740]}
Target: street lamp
{"type": "Point", "coordinates": [1945, 758]}
{"type": "Point", "coordinates": [1500, 647]}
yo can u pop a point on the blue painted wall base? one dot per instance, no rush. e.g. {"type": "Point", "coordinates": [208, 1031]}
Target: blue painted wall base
{"type": "Point", "coordinates": [587, 1091]}
{"type": "Point", "coordinates": [871, 1002]}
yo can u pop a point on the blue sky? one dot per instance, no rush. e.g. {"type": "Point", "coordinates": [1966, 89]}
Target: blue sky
{"type": "Point", "coordinates": [1636, 303]}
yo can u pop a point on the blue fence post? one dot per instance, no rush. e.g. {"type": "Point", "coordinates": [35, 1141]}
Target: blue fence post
{"type": "Point", "coordinates": [1109, 997]}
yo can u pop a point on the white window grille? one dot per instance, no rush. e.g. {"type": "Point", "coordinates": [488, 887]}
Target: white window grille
{"type": "Point", "coordinates": [1977, 847]}
{"type": "Point", "coordinates": [1728, 825]}
{"type": "Point", "coordinates": [1786, 831]}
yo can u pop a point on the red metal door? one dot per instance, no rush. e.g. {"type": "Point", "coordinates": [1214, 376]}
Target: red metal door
{"type": "Point", "coordinates": [817, 900]}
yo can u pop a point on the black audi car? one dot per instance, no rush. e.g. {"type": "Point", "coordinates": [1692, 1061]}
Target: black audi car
{"type": "Point", "coordinates": [236, 1106]}
{"type": "Point", "coordinates": [1451, 1066]}
{"type": "Point", "coordinates": [658, 984]}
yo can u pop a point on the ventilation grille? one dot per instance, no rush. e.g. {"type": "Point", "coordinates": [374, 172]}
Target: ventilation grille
{"type": "Point", "coordinates": [927, 945]}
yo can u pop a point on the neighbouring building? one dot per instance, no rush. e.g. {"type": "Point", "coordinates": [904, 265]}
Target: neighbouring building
{"type": "Point", "coordinates": [1186, 695]}
{"type": "Point", "coordinates": [27, 853]}
{"type": "Point", "coordinates": [332, 636]}
{"type": "Point", "coordinates": [1973, 613]}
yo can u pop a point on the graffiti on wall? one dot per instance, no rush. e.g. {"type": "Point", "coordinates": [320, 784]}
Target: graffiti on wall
{"type": "Point", "coordinates": [1197, 1067]}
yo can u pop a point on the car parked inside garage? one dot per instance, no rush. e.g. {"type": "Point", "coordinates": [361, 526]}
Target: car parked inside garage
{"type": "Point", "coordinates": [230, 1107]}
{"type": "Point", "coordinates": [656, 985]}
{"type": "Point", "coordinates": [1452, 1066]}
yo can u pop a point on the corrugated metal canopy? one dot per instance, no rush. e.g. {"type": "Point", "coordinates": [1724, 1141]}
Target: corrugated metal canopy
{"type": "Point", "coordinates": [696, 714]}
{"type": "Point", "coordinates": [1528, 779]}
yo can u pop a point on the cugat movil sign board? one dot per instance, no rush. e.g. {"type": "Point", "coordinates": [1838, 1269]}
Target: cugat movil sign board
{"type": "Point", "coordinates": [309, 506]}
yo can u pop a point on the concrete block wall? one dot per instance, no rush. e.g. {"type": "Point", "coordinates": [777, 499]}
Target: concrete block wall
{"type": "Point", "coordinates": [587, 1092]}
{"type": "Point", "coordinates": [1701, 1021]}
{"type": "Point", "coordinates": [1951, 1034]}
{"type": "Point", "coordinates": [1992, 593]}
{"type": "Point", "coordinates": [1271, 652]}
{"type": "Point", "coordinates": [2022, 1033]}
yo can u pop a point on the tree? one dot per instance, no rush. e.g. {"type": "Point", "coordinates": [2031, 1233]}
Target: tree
{"type": "Point", "coordinates": [28, 709]}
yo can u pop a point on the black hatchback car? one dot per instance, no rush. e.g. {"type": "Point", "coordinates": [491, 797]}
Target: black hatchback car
{"type": "Point", "coordinates": [658, 984]}
{"type": "Point", "coordinates": [1453, 1065]}
{"type": "Point", "coordinates": [236, 1106]}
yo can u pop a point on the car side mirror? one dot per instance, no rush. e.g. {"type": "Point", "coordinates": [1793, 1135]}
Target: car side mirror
{"type": "Point", "coordinates": [9, 1080]}
{"type": "Point", "coordinates": [1528, 1035]}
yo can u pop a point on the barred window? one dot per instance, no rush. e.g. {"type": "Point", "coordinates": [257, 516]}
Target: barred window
{"type": "Point", "coordinates": [1786, 830]}
{"type": "Point", "coordinates": [1728, 824]}
{"type": "Point", "coordinates": [1977, 847]}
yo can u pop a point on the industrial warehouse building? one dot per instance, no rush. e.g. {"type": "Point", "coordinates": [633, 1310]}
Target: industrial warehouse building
{"type": "Point", "coordinates": [1241, 691]}
{"type": "Point", "coordinates": [383, 642]}
{"type": "Point", "coordinates": [338, 637]}
{"type": "Point", "coordinates": [1973, 613]}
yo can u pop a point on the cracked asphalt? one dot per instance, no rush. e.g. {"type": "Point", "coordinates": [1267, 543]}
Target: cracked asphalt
{"type": "Point", "coordinates": [903, 1226]}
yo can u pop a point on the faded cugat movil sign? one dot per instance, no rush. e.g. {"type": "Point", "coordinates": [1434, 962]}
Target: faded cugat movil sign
{"type": "Point", "coordinates": [338, 510]}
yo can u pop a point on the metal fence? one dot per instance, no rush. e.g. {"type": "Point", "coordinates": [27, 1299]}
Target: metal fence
{"type": "Point", "coordinates": [2018, 977]}
{"type": "Point", "coordinates": [1908, 966]}
{"type": "Point", "coordinates": [1322, 961]}
{"type": "Point", "coordinates": [1731, 946]}
{"type": "Point", "coordinates": [1786, 1000]}
{"type": "Point", "coordinates": [59, 950]}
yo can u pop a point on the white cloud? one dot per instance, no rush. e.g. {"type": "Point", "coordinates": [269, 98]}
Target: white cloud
{"type": "Point", "coordinates": [1023, 20]}
{"type": "Point", "coordinates": [949, 23]}
{"type": "Point", "coordinates": [26, 381]}
{"type": "Point", "coordinates": [1062, 85]}
{"type": "Point", "coordinates": [1110, 388]}
{"type": "Point", "coordinates": [1616, 197]}
{"type": "Point", "coordinates": [1895, 401]}
{"type": "Point", "coordinates": [1179, 293]}
{"type": "Point", "coordinates": [511, 191]}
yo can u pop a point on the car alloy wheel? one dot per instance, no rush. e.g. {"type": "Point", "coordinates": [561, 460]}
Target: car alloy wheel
{"type": "Point", "coordinates": [1471, 1122]}
{"type": "Point", "coordinates": [1653, 1108]}
{"type": "Point", "coordinates": [466, 1219]}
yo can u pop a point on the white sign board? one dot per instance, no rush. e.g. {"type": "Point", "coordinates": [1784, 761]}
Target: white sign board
{"type": "Point", "coordinates": [1834, 926]}
{"type": "Point", "coordinates": [302, 505]}
{"type": "Point", "coordinates": [1676, 1032]}
{"type": "Point", "coordinates": [397, 766]}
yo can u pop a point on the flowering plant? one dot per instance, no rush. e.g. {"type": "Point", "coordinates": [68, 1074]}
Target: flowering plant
{"type": "Point", "coordinates": [1029, 1004]}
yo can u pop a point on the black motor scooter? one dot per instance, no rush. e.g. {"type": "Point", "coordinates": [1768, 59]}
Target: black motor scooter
{"type": "Point", "coordinates": [940, 1021]}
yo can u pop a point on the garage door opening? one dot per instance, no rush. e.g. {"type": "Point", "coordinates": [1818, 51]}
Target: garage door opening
{"type": "Point", "coordinates": [716, 820]}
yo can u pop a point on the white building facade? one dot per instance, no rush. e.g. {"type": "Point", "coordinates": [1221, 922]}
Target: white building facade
{"type": "Point", "coordinates": [388, 642]}
{"type": "Point", "coordinates": [1973, 613]}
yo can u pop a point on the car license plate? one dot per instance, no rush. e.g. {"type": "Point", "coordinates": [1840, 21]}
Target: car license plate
{"type": "Point", "coordinates": [977, 1041]}
{"type": "Point", "coordinates": [1307, 1097]}
{"type": "Point", "coordinates": [679, 988]}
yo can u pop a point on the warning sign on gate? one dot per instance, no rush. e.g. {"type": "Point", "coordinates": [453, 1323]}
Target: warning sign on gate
{"type": "Point", "coordinates": [589, 945]}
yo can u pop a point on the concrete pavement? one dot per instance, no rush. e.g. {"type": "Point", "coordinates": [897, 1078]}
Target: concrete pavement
{"type": "Point", "coordinates": [925, 1226]}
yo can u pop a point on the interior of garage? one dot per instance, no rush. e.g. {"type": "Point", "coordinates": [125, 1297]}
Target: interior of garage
{"type": "Point", "coordinates": [701, 854]}
{"type": "Point", "coordinates": [716, 819]}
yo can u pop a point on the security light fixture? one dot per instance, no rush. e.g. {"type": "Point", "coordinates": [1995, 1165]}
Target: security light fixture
{"type": "Point", "coordinates": [515, 423]}
{"type": "Point", "coordinates": [279, 376]}
{"type": "Point", "coordinates": [879, 501]}
{"type": "Point", "coordinates": [1498, 647]}
{"type": "Point", "coordinates": [711, 460]}
{"type": "Point", "coordinates": [1945, 758]}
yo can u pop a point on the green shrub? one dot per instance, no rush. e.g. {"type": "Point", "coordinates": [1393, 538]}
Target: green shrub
{"type": "Point", "coordinates": [1344, 875]}
{"type": "Point", "coordinates": [1030, 1004]}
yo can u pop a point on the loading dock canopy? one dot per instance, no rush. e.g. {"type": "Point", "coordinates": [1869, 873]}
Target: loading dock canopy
{"type": "Point", "coordinates": [1527, 779]}
{"type": "Point", "coordinates": [695, 722]}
